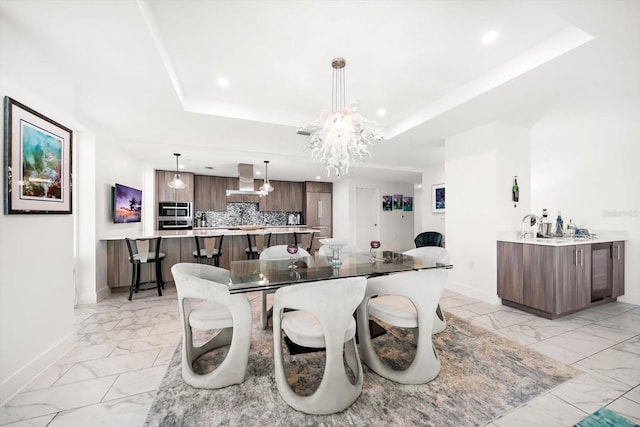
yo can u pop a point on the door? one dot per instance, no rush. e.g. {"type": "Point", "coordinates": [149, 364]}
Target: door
{"type": "Point", "coordinates": [367, 217]}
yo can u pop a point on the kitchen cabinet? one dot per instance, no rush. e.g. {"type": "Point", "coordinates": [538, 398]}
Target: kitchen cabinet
{"type": "Point", "coordinates": [166, 194]}
{"type": "Point", "coordinates": [210, 193]}
{"type": "Point", "coordinates": [318, 207]}
{"type": "Point", "coordinates": [553, 281]}
{"type": "Point", "coordinates": [287, 196]}
{"type": "Point", "coordinates": [617, 256]}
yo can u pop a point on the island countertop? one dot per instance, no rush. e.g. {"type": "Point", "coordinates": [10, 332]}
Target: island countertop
{"type": "Point", "coordinates": [598, 237]}
{"type": "Point", "coordinates": [215, 231]}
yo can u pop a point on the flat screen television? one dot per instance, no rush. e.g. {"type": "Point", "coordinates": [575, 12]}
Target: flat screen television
{"type": "Point", "coordinates": [127, 204]}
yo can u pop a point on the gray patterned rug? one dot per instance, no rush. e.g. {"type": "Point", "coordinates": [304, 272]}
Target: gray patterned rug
{"type": "Point", "coordinates": [483, 375]}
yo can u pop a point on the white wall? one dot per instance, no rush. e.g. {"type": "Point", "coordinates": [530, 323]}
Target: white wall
{"type": "Point", "coordinates": [479, 165]}
{"type": "Point", "coordinates": [396, 227]}
{"type": "Point", "coordinates": [36, 251]}
{"type": "Point", "coordinates": [431, 221]}
{"type": "Point", "coordinates": [585, 163]}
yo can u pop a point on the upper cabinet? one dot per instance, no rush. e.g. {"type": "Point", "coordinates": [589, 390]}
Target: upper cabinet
{"type": "Point", "coordinates": [166, 194]}
{"type": "Point", "coordinates": [286, 196]}
{"type": "Point", "coordinates": [210, 193]}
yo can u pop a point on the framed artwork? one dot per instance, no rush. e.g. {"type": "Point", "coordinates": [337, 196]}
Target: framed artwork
{"type": "Point", "coordinates": [407, 203]}
{"type": "Point", "coordinates": [438, 198]}
{"type": "Point", "coordinates": [387, 203]}
{"type": "Point", "coordinates": [397, 202]}
{"type": "Point", "coordinates": [37, 162]}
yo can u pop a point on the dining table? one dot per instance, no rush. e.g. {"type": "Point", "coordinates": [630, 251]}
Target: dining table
{"type": "Point", "coordinates": [265, 275]}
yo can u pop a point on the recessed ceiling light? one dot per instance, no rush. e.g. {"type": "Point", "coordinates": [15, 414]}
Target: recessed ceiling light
{"type": "Point", "coordinates": [180, 166]}
{"type": "Point", "coordinates": [258, 172]}
{"type": "Point", "coordinates": [318, 177]}
{"type": "Point", "coordinates": [222, 82]}
{"type": "Point", "coordinates": [382, 112]}
{"type": "Point", "coordinates": [209, 167]}
{"type": "Point", "coordinates": [490, 37]}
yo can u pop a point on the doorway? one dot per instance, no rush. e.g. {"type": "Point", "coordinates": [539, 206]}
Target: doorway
{"type": "Point", "coordinates": [367, 216]}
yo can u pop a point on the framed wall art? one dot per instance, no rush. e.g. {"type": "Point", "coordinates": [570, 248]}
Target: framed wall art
{"type": "Point", "coordinates": [397, 202]}
{"type": "Point", "coordinates": [438, 198]}
{"type": "Point", "coordinates": [407, 203]}
{"type": "Point", "coordinates": [37, 162]}
{"type": "Point", "coordinates": [387, 203]}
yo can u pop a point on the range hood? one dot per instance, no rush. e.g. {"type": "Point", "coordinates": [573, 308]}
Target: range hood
{"type": "Point", "coordinates": [245, 173]}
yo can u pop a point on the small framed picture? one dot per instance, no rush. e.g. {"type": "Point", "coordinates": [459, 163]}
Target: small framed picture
{"type": "Point", "coordinates": [37, 162]}
{"type": "Point", "coordinates": [387, 203]}
{"type": "Point", "coordinates": [438, 198]}
{"type": "Point", "coordinates": [407, 203]}
{"type": "Point", "coordinates": [397, 202]}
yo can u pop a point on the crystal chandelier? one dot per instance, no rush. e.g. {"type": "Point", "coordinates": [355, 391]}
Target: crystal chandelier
{"type": "Point", "coordinates": [177, 182]}
{"type": "Point", "coordinates": [342, 135]}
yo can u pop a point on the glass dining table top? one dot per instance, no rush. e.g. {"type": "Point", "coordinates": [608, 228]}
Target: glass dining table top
{"type": "Point", "coordinates": [259, 275]}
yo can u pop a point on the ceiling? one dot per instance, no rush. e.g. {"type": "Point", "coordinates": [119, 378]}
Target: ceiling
{"type": "Point", "coordinates": [146, 72]}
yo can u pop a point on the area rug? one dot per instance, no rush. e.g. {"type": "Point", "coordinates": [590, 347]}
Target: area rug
{"type": "Point", "coordinates": [605, 418]}
{"type": "Point", "coordinates": [483, 375]}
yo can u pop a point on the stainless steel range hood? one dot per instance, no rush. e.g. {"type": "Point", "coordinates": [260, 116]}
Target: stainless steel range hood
{"type": "Point", "coordinates": [245, 172]}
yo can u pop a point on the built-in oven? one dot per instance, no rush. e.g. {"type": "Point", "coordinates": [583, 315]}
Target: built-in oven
{"type": "Point", "coordinates": [175, 216]}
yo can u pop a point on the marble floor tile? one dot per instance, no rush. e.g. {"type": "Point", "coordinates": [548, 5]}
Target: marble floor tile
{"type": "Point", "coordinates": [97, 327]}
{"type": "Point", "coordinates": [110, 366]}
{"type": "Point", "coordinates": [590, 391]}
{"type": "Point", "coordinates": [547, 410]}
{"type": "Point", "coordinates": [42, 421]}
{"type": "Point", "coordinates": [136, 382]}
{"type": "Point", "coordinates": [581, 341]}
{"type": "Point", "coordinates": [629, 320]}
{"type": "Point", "coordinates": [130, 411]}
{"type": "Point", "coordinates": [32, 404]}
{"type": "Point", "coordinates": [461, 312]}
{"type": "Point", "coordinates": [165, 327]}
{"type": "Point", "coordinates": [633, 394]}
{"type": "Point", "coordinates": [165, 355]}
{"type": "Point", "coordinates": [502, 319]}
{"type": "Point", "coordinates": [627, 408]}
{"type": "Point", "coordinates": [485, 308]}
{"type": "Point", "coordinates": [147, 343]}
{"type": "Point", "coordinates": [556, 352]}
{"type": "Point", "coordinates": [456, 301]}
{"type": "Point", "coordinates": [615, 363]}
{"type": "Point", "coordinates": [48, 377]}
{"type": "Point", "coordinates": [114, 335]}
{"type": "Point", "coordinates": [611, 333]}
{"type": "Point", "coordinates": [90, 352]}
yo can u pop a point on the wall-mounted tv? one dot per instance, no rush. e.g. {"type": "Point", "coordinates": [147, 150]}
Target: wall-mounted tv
{"type": "Point", "coordinates": [127, 204]}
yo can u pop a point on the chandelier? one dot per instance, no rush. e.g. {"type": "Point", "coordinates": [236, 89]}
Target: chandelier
{"type": "Point", "coordinates": [342, 135]}
{"type": "Point", "coordinates": [177, 182]}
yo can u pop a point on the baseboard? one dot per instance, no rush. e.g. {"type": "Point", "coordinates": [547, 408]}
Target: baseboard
{"type": "Point", "coordinates": [482, 295]}
{"type": "Point", "coordinates": [19, 380]}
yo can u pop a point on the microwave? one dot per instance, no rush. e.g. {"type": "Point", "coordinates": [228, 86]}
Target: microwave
{"type": "Point", "coordinates": [175, 210]}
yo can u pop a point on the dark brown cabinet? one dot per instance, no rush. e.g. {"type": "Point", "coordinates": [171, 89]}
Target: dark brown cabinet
{"type": "Point", "coordinates": [286, 196]}
{"type": "Point", "coordinates": [556, 280]}
{"type": "Point", "coordinates": [210, 193]}
{"type": "Point", "coordinates": [318, 207]}
{"type": "Point", "coordinates": [166, 194]}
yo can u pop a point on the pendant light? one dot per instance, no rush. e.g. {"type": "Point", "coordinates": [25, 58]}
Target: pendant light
{"type": "Point", "coordinates": [266, 188]}
{"type": "Point", "coordinates": [177, 183]}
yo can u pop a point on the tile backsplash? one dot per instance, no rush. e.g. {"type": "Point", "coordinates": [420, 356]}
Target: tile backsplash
{"type": "Point", "coordinates": [244, 214]}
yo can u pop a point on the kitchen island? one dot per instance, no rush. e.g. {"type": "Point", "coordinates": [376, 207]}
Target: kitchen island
{"type": "Point", "coordinates": [178, 245]}
{"type": "Point", "coordinates": [553, 277]}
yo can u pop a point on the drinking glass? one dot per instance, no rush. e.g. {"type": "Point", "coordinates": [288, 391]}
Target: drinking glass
{"type": "Point", "coordinates": [292, 250]}
{"type": "Point", "coordinates": [375, 245]}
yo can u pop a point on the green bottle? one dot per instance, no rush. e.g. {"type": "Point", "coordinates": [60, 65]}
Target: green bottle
{"type": "Point", "coordinates": [515, 191]}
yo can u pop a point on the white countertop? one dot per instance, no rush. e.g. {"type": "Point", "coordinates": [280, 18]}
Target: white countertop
{"type": "Point", "coordinates": [600, 237]}
{"type": "Point", "coordinates": [173, 234]}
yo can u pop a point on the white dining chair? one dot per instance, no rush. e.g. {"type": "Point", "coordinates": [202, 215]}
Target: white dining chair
{"type": "Point", "coordinates": [404, 300]}
{"type": "Point", "coordinates": [275, 253]}
{"type": "Point", "coordinates": [220, 310]}
{"type": "Point", "coordinates": [431, 254]}
{"type": "Point", "coordinates": [322, 316]}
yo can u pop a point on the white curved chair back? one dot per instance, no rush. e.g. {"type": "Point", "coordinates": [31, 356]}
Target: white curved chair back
{"type": "Point", "coordinates": [231, 314]}
{"type": "Point", "coordinates": [349, 249]}
{"type": "Point", "coordinates": [430, 253]}
{"type": "Point", "coordinates": [321, 309]}
{"type": "Point", "coordinates": [421, 291]}
{"type": "Point", "coordinates": [280, 252]}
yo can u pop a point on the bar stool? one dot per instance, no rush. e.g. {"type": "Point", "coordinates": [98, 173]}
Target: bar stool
{"type": "Point", "coordinates": [206, 248]}
{"type": "Point", "coordinates": [145, 251]}
{"type": "Point", "coordinates": [299, 239]}
{"type": "Point", "coordinates": [254, 248]}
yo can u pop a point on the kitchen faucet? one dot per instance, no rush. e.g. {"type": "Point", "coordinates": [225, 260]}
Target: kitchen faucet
{"type": "Point", "coordinates": [533, 219]}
